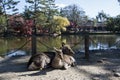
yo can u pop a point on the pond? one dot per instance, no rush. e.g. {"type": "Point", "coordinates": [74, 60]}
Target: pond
{"type": "Point", "coordinates": [46, 43]}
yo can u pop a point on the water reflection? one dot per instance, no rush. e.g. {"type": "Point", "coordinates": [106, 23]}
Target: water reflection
{"type": "Point", "coordinates": [46, 43]}
{"type": "Point", "coordinates": [103, 41]}
{"type": "Point", "coordinates": [14, 53]}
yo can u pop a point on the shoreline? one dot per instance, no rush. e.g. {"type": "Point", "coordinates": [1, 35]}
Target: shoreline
{"type": "Point", "coordinates": [66, 33]}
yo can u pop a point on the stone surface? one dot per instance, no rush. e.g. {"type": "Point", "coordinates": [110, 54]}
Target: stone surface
{"type": "Point", "coordinates": [117, 74]}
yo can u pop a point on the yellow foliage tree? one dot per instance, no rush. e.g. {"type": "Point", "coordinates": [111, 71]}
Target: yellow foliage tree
{"type": "Point", "coordinates": [59, 24]}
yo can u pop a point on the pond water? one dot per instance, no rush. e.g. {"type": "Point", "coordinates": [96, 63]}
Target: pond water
{"type": "Point", "coordinates": [46, 43]}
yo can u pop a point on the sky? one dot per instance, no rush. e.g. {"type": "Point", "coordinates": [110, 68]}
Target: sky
{"type": "Point", "coordinates": [91, 7]}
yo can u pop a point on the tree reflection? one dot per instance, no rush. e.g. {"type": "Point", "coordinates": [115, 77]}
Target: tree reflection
{"type": "Point", "coordinates": [46, 43]}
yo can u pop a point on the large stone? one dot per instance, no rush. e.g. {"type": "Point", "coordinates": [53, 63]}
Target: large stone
{"type": "Point", "coordinates": [100, 61]}
{"type": "Point", "coordinates": [117, 74]}
{"type": "Point", "coordinates": [95, 78]}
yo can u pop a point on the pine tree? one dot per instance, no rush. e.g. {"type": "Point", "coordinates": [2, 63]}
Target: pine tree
{"type": "Point", "coordinates": [8, 6]}
{"type": "Point", "coordinates": [43, 10]}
